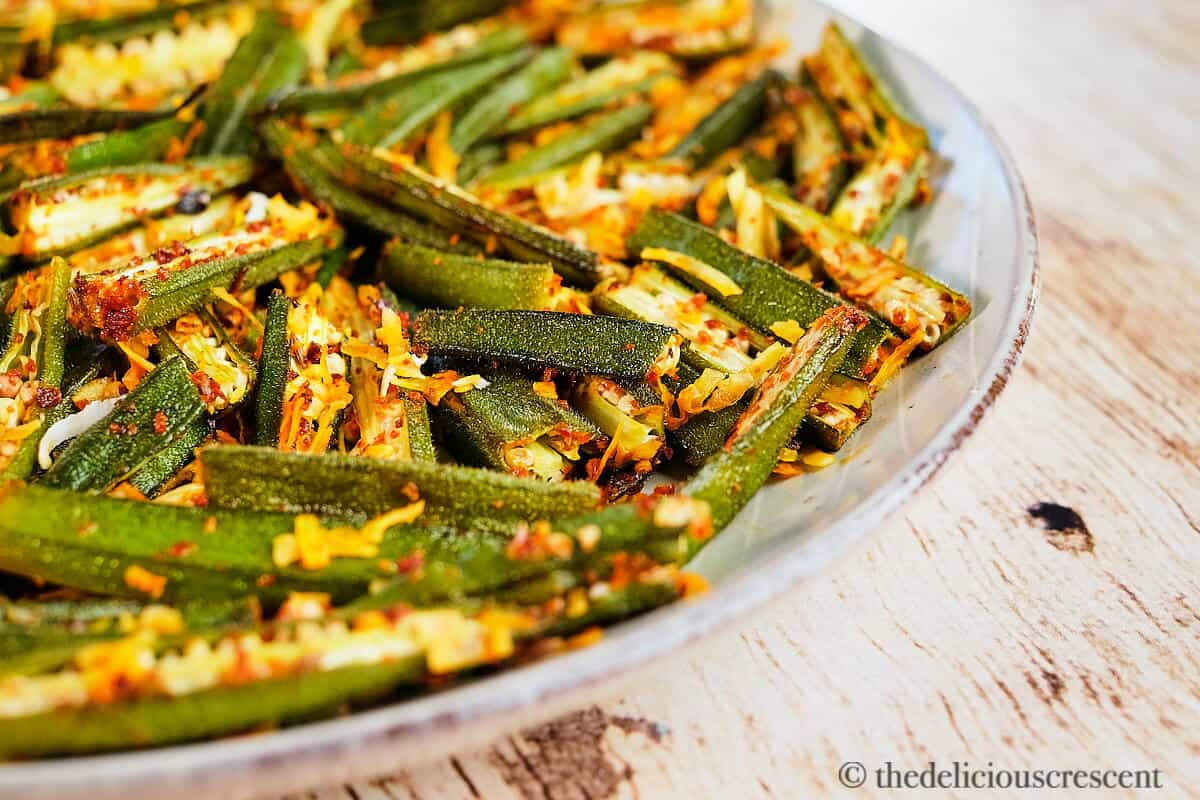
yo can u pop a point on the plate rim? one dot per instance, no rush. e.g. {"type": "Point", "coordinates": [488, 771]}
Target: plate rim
{"type": "Point", "coordinates": [552, 680]}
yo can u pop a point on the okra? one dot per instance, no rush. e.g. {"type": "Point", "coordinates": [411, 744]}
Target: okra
{"type": "Point", "coordinates": [508, 425]}
{"type": "Point", "coordinates": [617, 79]}
{"type": "Point", "coordinates": [861, 102]}
{"type": "Point", "coordinates": [819, 156]}
{"type": "Point", "coordinates": [419, 193]}
{"type": "Point", "coordinates": [597, 345]}
{"type": "Point", "coordinates": [480, 160]}
{"type": "Point", "coordinates": [445, 280]}
{"type": "Point", "coordinates": [65, 122]}
{"type": "Point", "coordinates": [262, 479]}
{"type": "Point", "coordinates": [159, 411]}
{"type": "Point", "coordinates": [152, 290]}
{"type": "Point", "coordinates": [728, 124]}
{"type": "Point", "coordinates": [884, 186]}
{"type": "Point", "coordinates": [147, 142]}
{"type": "Point", "coordinates": [608, 133]}
{"type": "Point", "coordinates": [412, 20]}
{"type": "Point", "coordinates": [355, 90]}
{"type": "Point", "coordinates": [636, 430]}
{"type": "Point", "coordinates": [157, 471]}
{"type": "Point", "coordinates": [269, 59]}
{"type": "Point", "coordinates": [840, 410]}
{"type": "Point", "coordinates": [56, 216]}
{"type": "Point", "coordinates": [695, 29]}
{"type": "Point", "coordinates": [32, 365]}
{"type": "Point", "coordinates": [547, 70]}
{"type": "Point", "coordinates": [332, 195]}
{"type": "Point", "coordinates": [393, 120]}
{"type": "Point", "coordinates": [220, 370]}
{"type": "Point", "coordinates": [766, 293]}
{"type": "Point", "coordinates": [181, 553]}
{"type": "Point", "coordinates": [915, 304]}
{"type": "Point", "coordinates": [734, 474]}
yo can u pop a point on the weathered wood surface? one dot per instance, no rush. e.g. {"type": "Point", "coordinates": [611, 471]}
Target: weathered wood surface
{"type": "Point", "coordinates": [967, 630]}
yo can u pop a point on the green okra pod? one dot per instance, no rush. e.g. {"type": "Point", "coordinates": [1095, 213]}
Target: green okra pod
{"type": "Point", "coordinates": [734, 474]}
{"type": "Point", "coordinates": [547, 70]}
{"type": "Point", "coordinates": [728, 124]}
{"type": "Point", "coordinates": [147, 142]}
{"type": "Point", "coordinates": [768, 293]}
{"type": "Point", "coordinates": [159, 410]}
{"type": "Point", "coordinates": [610, 132]}
{"type": "Point", "coordinates": [263, 479]}
{"type": "Point", "coordinates": [444, 204]}
{"type": "Point", "coordinates": [65, 122]}
{"type": "Point", "coordinates": [393, 120]}
{"type": "Point", "coordinates": [445, 280]}
{"type": "Point", "coordinates": [819, 155]}
{"type": "Point", "coordinates": [407, 22]}
{"type": "Point", "coordinates": [597, 345]}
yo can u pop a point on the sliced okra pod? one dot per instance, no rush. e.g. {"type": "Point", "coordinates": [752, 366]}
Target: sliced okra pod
{"type": "Point", "coordinates": [269, 59]}
{"type": "Point", "coordinates": [410, 21]}
{"type": "Point", "coordinates": [262, 479]}
{"type": "Point", "coordinates": [510, 426]}
{"type": "Point", "coordinates": [694, 29]}
{"type": "Point", "coordinates": [148, 142]}
{"type": "Point", "coordinates": [840, 410]}
{"type": "Point", "coordinates": [617, 79]}
{"type": "Point", "coordinates": [547, 70]}
{"type": "Point", "coordinates": [393, 120]}
{"type": "Point", "coordinates": [32, 365]}
{"type": "Point", "coordinates": [446, 280]}
{"type": "Point", "coordinates": [755, 290]}
{"type": "Point", "coordinates": [921, 308]}
{"type": "Point", "coordinates": [443, 52]}
{"type": "Point", "coordinates": [636, 430]}
{"type": "Point", "coordinates": [819, 156]}
{"type": "Point", "coordinates": [861, 102]}
{"type": "Point", "coordinates": [728, 124]}
{"type": "Point", "coordinates": [56, 216]}
{"type": "Point", "coordinates": [160, 470]}
{"type": "Point", "coordinates": [735, 473]}
{"type": "Point", "coordinates": [884, 186]}
{"type": "Point", "coordinates": [597, 345]}
{"type": "Point", "coordinates": [610, 132]}
{"type": "Point", "coordinates": [419, 193]}
{"type": "Point", "coordinates": [222, 372]}
{"type": "Point", "coordinates": [160, 410]}
{"type": "Point", "coordinates": [327, 191]}
{"type": "Point", "coordinates": [66, 122]}
{"type": "Point", "coordinates": [304, 381]}
{"type": "Point", "coordinates": [151, 290]}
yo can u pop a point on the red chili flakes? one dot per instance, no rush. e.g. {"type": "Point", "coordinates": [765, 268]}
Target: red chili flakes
{"type": "Point", "coordinates": [132, 429]}
{"type": "Point", "coordinates": [168, 253]}
{"type": "Point", "coordinates": [263, 581]}
{"type": "Point", "coordinates": [411, 564]}
{"type": "Point", "coordinates": [182, 549]}
{"type": "Point", "coordinates": [411, 491]}
{"type": "Point", "coordinates": [629, 347]}
{"type": "Point", "coordinates": [116, 428]}
{"type": "Point", "coordinates": [160, 422]}
{"type": "Point", "coordinates": [313, 354]}
{"type": "Point", "coordinates": [209, 389]}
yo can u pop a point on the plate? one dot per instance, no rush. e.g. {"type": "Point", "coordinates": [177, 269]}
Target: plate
{"type": "Point", "coordinates": [977, 235]}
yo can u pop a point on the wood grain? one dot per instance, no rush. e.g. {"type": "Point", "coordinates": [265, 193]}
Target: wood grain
{"type": "Point", "coordinates": [968, 630]}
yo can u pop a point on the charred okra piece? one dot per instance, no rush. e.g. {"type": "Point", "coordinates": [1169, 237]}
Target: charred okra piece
{"type": "Point", "coordinates": [303, 376]}
{"type": "Point", "coordinates": [861, 102]}
{"type": "Point", "coordinates": [446, 280]}
{"type": "Point", "coordinates": [159, 410]}
{"type": "Point", "coordinates": [735, 473]}
{"type": "Point", "coordinates": [920, 308]}
{"type": "Point", "coordinates": [610, 132]}
{"type": "Point", "coordinates": [423, 195]}
{"type": "Point", "coordinates": [32, 364]}
{"type": "Point", "coordinates": [761, 293]}
{"type": "Point", "coordinates": [393, 120]}
{"type": "Point", "coordinates": [510, 426]}
{"type": "Point", "coordinates": [620, 78]}
{"type": "Point", "coordinates": [261, 479]}
{"type": "Point", "coordinates": [59, 215]}
{"type": "Point", "coordinates": [596, 345]}
{"type": "Point", "coordinates": [547, 70]}
{"type": "Point", "coordinates": [153, 289]}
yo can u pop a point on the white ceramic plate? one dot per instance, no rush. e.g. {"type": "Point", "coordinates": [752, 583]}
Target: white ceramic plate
{"type": "Point", "coordinates": [977, 236]}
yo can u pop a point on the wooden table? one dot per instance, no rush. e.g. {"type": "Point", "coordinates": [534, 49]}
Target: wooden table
{"type": "Point", "coordinates": [967, 630]}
